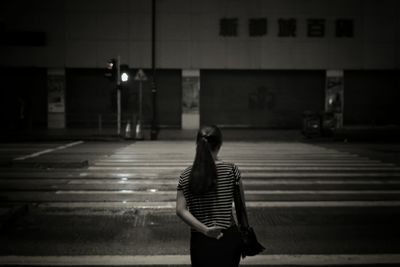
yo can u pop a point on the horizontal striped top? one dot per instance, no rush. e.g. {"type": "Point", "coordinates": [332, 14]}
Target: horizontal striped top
{"type": "Point", "coordinates": [213, 208]}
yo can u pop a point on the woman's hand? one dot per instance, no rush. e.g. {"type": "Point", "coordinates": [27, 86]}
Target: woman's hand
{"type": "Point", "coordinates": [183, 213]}
{"type": "Point", "coordinates": [214, 232]}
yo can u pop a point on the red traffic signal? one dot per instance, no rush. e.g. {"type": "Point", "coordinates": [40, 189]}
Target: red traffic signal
{"type": "Point", "coordinates": [111, 69]}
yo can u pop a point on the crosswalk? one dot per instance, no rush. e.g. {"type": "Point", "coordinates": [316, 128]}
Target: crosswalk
{"type": "Point", "coordinates": [145, 174]}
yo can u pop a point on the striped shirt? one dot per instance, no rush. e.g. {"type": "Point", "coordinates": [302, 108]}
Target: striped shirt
{"type": "Point", "coordinates": [213, 208]}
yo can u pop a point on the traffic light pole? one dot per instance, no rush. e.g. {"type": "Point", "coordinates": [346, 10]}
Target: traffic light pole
{"type": "Point", "coordinates": [154, 130]}
{"type": "Point", "coordinates": [118, 97]}
{"type": "Point", "coordinates": [140, 101]}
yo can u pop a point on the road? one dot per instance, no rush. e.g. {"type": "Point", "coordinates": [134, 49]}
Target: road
{"type": "Point", "coordinates": [112, 203]}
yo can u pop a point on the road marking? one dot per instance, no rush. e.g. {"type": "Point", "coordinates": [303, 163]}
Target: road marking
{"type": "Point", "coordinates": [320, 174]}
{"type": "Point", "coordinates": [33, 155]}
{"type": "Point", "coordinates": [93, 174]}
{"type": "Point", "coordinates": [247, 192]}
{"type": "Point", "coordinates": [237, 161]}
{"type": "Point", "coordinates": [245, 182]}
{"type": "Point", "coordinates": [176, 260]}
{"type": "Point", "coordinates": [249, 204]}
{"type": "Point", "coordinates": [126, 183]}
{"type": "Point", "coordinates": [243, 169]}
{"type": "Point", "coordinates": [245, 165]}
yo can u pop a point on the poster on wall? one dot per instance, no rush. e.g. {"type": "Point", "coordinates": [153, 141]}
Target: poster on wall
{"type": "Point", "coordinates": [334, 95]}
{"type": "Point", "coordinates": [56, 99]}
{"type": "Point", "coordinates": [190, 99]}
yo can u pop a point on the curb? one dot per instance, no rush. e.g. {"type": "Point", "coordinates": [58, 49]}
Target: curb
{"type": "Point", "coordinates": [44, 165]}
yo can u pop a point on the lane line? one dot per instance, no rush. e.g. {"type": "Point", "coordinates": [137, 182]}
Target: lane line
{"type": "Point", "coordinates": [319, 174]}
{"type": "Point", "coordinates": [245, 182]}
{"type": "Point", "coordinates": [33, 155]}
{"type": "Point", "coordinates": [171, 183]}
{"type": "Point", "coordinates": [303, 164]}
{"type": "Point", "coordinates": [176, 260]}
{"type": "Point", "coordinates": [283, 168]}
{"type": "Point", "coordinates": [93, 174]}
{"type": "Point", "coordinates": [250, 204]}
{"type": "Point", "coordinates": [241, 161]}
{"type": "Point", "coordinates": [248, 192]}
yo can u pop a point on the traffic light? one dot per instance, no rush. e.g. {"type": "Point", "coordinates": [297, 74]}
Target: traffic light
{"type": "Point", "coordinates": [111, 69]}
{"type": "Point", "coordinates": [124, 72]}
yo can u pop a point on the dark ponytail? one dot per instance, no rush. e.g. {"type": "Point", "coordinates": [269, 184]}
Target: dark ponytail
{"type": "Point", "coordinates": [203, 175]}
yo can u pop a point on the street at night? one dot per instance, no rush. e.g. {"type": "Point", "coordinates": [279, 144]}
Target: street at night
{"type": "Point", "coordinates": [195, 132]}
{"type": "Point", "coordinates": [113, 203]}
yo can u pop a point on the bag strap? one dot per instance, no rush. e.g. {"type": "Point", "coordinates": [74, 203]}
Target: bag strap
{"type": "Point", "coordinates": [240, 207]}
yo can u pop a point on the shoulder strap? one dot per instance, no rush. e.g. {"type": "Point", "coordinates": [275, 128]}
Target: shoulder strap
{"type": "Point", "coordinates": [240, 207]}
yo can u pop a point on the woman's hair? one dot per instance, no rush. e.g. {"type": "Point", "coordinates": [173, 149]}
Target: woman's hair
{"type": "Point", "coordinates": [204, 172]}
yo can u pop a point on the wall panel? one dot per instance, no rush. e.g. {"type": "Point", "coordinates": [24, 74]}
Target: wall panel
{"type": "Point", "coordinates": [371, 97]}
{"type": "Point", "coordinates": [72, 24]}
{"type": "Point", "coordinates": [23, 98]}
{"type": "Point", "coordinates": [262, 99]}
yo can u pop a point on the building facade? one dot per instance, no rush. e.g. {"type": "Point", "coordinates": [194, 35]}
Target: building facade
{"type": "Point", "coordinates": [235, 63]}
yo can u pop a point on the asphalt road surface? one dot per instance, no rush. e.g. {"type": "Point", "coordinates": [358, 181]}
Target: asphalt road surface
{"type": "Point", "coordinates": [112, 203]}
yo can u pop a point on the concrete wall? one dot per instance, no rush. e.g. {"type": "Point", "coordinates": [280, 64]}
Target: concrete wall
{"type": "Point", "coordinates": [85, 34]}
{"type": "Point", "coordinates": [23, 101]}
{"type": "Point", "coordinates": [371, 97]}
{"type": "Point", "coordinates": [260, 99]}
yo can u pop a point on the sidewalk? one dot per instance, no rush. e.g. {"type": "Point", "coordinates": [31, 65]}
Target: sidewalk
{"type": "Point", "coordinates": [389, 133]}
{"type": "Point", "coordinates": [163, 134]}
{"type": "Point", "coordinates": [137, 237]}
{"type": "Point", "coordinates": [347, 134]}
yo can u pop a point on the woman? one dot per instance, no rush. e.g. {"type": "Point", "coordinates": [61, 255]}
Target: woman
{"type": "Point", "coordinates": [204, 201]}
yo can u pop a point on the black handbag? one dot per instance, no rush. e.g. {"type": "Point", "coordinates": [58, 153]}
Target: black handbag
{"type": "Point", "coordinates": [250, 244]}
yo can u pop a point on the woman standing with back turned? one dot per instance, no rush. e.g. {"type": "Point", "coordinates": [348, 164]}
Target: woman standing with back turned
{"type": "Point", "coordinates": [204, 201]}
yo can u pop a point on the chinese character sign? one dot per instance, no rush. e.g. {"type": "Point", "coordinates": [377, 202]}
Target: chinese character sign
{"type": "Point", "coordinates": [316, 27]}
{"type": "Point", "coordinates": [287, 27]}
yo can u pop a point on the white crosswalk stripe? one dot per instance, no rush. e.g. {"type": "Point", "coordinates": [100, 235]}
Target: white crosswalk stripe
{"type": "Point", "coordinates": [147, 172]}
{"type": "Point", "coordinates": [184, 260]}
{"type": "Point", "coordinates": [265, 163]}
{"type": "Point", "coordinates": [142, 177]}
